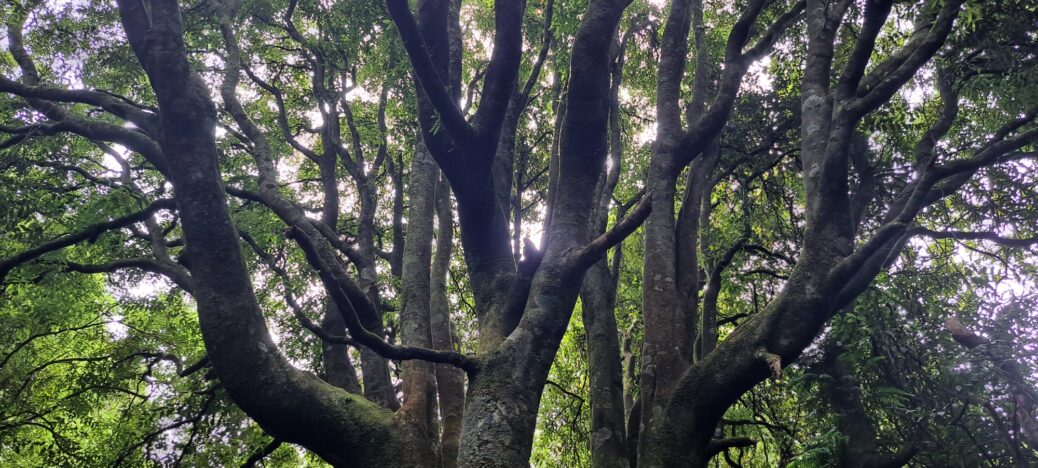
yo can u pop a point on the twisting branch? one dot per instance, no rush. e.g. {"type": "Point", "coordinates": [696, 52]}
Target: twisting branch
{"type": "Point", "coordinates": [719, 445]}
{"type": "Point", "coordinates": [565, 392]}
{"type": "Point", "coordinates": [924, 149]}
{"type": "Point", "coordinates": [36, 336]}
{"type": "Point", "coordinates": [546, 41]}
{"type": "Point", "coordinates": [210, 396]}
{"type": "Point", "coordinates": [926, 191]}
{"type": "Point", "coordinates": [1024, 394]}
{"type": "Point", "coordinates": [282, 114]}
{"type": "Point", "coordinates": [90, 233]}
{"type": "Point", "coordinates": [63, 120]}
{"type": "Point", "coordinates": [425, 71]}
{"type": "Point", "coordinates": [503, 69]}
{"type": "Point", "coordinates": [177, 362]}
{"type": "Point", "coordinates": [290, 299]}
{"type": "Point", "coordinates": [77, 170]}
{"type": "Point", "coordinates": [365, 337]}
{"type": "Point", "coordinates": [176, 273]}
{"type": "Point", "coordinates": [887, 78]}
{"type": "Point", "coordinates": [146, 121]}
{"type": "Point", "coordinates": [736, 64]}
{"type": "Point", "coordinates": [774, 32]}
{"type": "Point", "coordinates": [876, 13]}
{"type": "Point", "coordinates": [197, 366]}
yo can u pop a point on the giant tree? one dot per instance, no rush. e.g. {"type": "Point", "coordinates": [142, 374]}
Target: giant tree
{"type": "Point", "coordinates": [295, 168]}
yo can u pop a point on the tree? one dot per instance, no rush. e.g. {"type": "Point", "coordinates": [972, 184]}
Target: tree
{"type": "Point", "coordinates": [295, 169]}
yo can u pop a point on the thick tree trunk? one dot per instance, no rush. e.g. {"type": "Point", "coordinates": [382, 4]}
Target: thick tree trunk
{"type": "Point", "coordinates": [738, 363]}
{"type": "Point", "coordinates": [668, 330]}
{"type": "Point", "coordinates": [668, 326]}
{"type": "Point", "coordinates": [289, 404]}
{"type": "Point", "coordinates": [827, 265]}
{"type": "Point", "coordinates": [501, 411]}
{"type": "Point", "coordinates": [465, 151]}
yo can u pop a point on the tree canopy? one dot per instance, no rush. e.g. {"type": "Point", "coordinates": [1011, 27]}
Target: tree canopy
{"type": "Point", "coordinates": [448, 233]}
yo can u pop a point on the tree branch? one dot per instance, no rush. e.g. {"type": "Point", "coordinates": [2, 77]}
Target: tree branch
{"type": "Point", "coordinates": [262, 453]}
{"type": "Point", "coordinates": [36, 336]}
{"type": "Point", "coordinates": [176, 273]}
{"type": "Point", "coordinates": [503, 69]}
{"type": "Point", "coordinates": [920, 52]}
{"type": "Point", "coordinates": [90, 233]}
{"type": "Point", "coordinates": [365, 337]}
{"type": "Point", "coordinates": [876, 13]}
{"type": "Point", "coordinates": [594, 250]}
{"type": "Point", "coordinates": [146, 121]}
{"type": "Point", "coordinates": [426, 71]}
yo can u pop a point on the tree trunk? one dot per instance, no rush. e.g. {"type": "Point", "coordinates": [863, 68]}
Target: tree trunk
{"type": "Point", "coordinates": [290, 404]}
{"type": "Point", "coordinates": [501, 411]}
{"type": "Point", "coordinates": [605, 389]}
{"type": "Point", "coordinates": [415, 330]}
{"type": "Point", "coordinates": [450, 381]}
{"type": "Point", "coordinates": [338, 369]}
{"type": "Point", "coordinates": [668, 331]}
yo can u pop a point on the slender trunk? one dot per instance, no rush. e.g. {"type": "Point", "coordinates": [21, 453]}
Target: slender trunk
{"type": "Point", "coordinates": [706, 340]}
{"type": "Point", "coordinates": [559, 108]}
{"type": "Point", "coordinates": [338, 370]}
{"type": "Point", "coordinates": [415, 330]}
{"type": "Point", "coordinates": [605, 389]}
{"type": "Point", "coordinates": [450, 381]}
{"type": "Point", "coordinates": [693, 218]}
{"type": "Point", "coordinates": [378, 386]}
{"type": "Point", "coordinates": [860, 448]}
{"type": "Point", "coordinates": [396, 176]}
{"type": "Point", "coordinates": [598, 300]}
{"type": "Point", "coordinates": [504, 157]}
{"type": "Point", "coordinates": [517, 204]}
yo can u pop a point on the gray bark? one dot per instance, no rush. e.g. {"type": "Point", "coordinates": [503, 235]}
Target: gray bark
{"type": "Point", "coordinates": [598, 300]}
{"type": "Point", "coordinates": [338, 368]}
{"type": "Point", "coordinates": [605, 389]}
{"type": "Point", "coordinates": [419, 381]}
{"type": "Point", "coordinates": [817, 285]}
{"type": "Point", "coordinates": [290, 404]}
{"type": "Point", "coordinates": [500, 415]}
{"type": "Point", "coordinates": [450, 381]}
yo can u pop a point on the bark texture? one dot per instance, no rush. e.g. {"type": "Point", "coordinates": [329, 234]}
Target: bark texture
{"type": "Point", "coordinates": [292, 405]}
{"type": "Point", "coordinates": [524, 303]}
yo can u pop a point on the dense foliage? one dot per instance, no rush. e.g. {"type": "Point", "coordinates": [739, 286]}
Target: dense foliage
{"type": "Point", "coordinates": [324, 131]}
